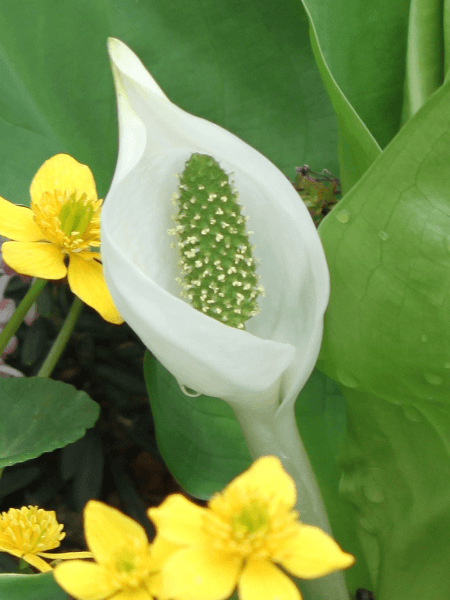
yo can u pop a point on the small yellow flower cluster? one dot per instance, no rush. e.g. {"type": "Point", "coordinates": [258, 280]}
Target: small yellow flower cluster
{"type": "Point", "coordinates": [242, 538]}
{"type": "Point", "coordinates": [29, 531]}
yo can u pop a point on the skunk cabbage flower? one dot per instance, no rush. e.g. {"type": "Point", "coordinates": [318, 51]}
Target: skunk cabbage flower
{"type": "Point", "coordinates": [267, 363]}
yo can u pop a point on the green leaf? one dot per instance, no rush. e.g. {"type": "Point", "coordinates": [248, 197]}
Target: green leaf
{"type": "Point", "coordinates": [425, 54]}
{"type": "Point", "coordinates": [30, 587]}
{"type": "Point", "coordinates": [199, 438]}
{"type": "Point", "coordinates": [246, 66]}
{"type": "Point", "coordinates": [364, 47]}
{"type": "Point", "coordinates": [394, 466]}
{"type": "Point", "coordinates": [386, 341]}
{"type": "Point", "coordinates": [38, 415]}
{"type": "Point", "coordinates": [357, 147]}
{"type": "Point", "coordinates": [320, 412]}
{"type": "Point", "coordinates": [388, 250]}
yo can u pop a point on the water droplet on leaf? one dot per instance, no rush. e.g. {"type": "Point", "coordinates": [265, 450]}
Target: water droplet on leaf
{"type": "Point", "coordinates": [343, 216]}
{"type": "Point", "coordinates": [347, 379]}
{"type": "Point", "coordinates": [383, 235]}
{"type": "Point", "coordinates": [433, 378]}
{"type": "Point", "coordinates": [373, 493]}
{"type": "Point", "coordinates": [412, 414]}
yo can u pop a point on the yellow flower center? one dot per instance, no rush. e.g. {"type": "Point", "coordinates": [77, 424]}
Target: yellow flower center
{"type": "Point", "coordinates": [71, 221]}
{"type": "Point", "coordinates": [250, 520]}
{"type": "Point", "coordinates": [242, 522]}
{"type": "Point", "coordinates": [30, 530]}
{"type": "Point", "coordinates": [131, 565]}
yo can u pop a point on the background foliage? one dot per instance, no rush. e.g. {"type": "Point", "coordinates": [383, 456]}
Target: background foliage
{"type": "Point", "coordinates": [249, 67]}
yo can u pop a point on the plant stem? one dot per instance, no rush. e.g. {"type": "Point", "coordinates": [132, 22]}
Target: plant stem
{"type": "Point", "coordinates": [19, 314]}
{"type": "Point", "coordinates": [275, 432]}
{"type": "Point", "coordinates": [61, 341]}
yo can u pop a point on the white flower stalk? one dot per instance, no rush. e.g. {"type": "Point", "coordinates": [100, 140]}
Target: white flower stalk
{"type": "Point", "coordinates": [258, 370]}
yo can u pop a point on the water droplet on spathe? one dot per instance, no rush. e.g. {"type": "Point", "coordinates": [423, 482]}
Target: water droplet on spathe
{"type": "Point", "coordinates": [343, 216]}
{"type": "Point", "coordinates": [383, 235]}
{"type": "Point", "coordinates": [433, 378]}
{"type": "Point", "coordinates": [424, 338]}
{"type": "Point", "coordinates": [447, 365]}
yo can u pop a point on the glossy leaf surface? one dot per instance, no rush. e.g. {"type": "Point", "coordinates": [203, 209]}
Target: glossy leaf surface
{"type": "Point", "coordinates": [38, 415]}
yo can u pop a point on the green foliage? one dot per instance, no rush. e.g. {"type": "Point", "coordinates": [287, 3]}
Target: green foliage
{"type": "Point", "coordinates": [364, 47]}
{"type": "Point", "coordinates": [425, 54]}
{"type": "Point", "coordinates": [30, 587]}
{"type": "Point", "coordinates": [38, 415]}
{"type": "Point", "coordinates": [387, 334]}
{"type": "Point", "coordinates": [386, 340]}
{"type": "Point", "coordinates": [199, 438]}
{"type": "Point", "coordinates": [246, 66]}
{"type": "Point", "coordinates": [357, 147]}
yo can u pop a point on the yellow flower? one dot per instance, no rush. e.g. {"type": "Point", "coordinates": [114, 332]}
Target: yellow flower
{"type": "Point", "coordinates": [240, 538]}
{"type": "Point", "coordinates": [29, 531]}
{"type": "Point", "coordinates": [63, 221]}
{"type": "Point", "coordinates": [127, 566]}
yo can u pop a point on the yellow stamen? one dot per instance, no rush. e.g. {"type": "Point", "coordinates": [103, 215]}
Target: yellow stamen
{"type": "Point", "coordinates": [29, 530]}
{"type": "Point", "coordinates": [70, 221]}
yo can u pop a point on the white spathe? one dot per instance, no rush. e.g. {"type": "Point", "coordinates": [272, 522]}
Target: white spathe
{"type": "Point", "coordinates": [269, 362]}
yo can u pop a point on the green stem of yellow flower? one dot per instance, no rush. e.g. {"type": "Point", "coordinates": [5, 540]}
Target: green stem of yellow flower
{"type": "Point", "coordinates": [61, 341]}
{"type": "Point", "coordinates": [19, 314]}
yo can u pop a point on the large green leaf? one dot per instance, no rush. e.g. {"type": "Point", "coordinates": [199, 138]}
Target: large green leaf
{"type": "Point", "coordinates": [387, 326]}
{"type": "Point", "coordinates": [246, 66]}
{"type": "Point", "coordinates": [425, 54]}
{"type": "Point", "coordinates": [364, 47]}
{"type": "Point", "coordinates": [199, 438]}
{"type": "Point", "coordinates": [38, 415]}
{"type": "Point", "coordinates": [387, 332]}
{"type": "Point", "coordinates": [396, 467]}
{"type": "Point", "coordinates": [30, 587]}
{"type": "Point", "coordinates": [357, 147]}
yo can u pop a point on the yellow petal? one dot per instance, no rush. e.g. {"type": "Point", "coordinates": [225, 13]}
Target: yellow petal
{"type": "Point", "coordinates": [36, 562]}
{"type": "Point", "coordinates": [313, 553]}
{"type": "Point", "coordinates": [161, 550]}
{"type": "Point", "coordinates": [179, 520]}
{"type": "Point", "coordinates": [261, 580]}
{"type": "Point", "coordinates": [200, 574]}
{"type": "Point", "coordinates": [140, 593]}
{"type": "Point", "coordinates": [87, 282]}
{"type": "Point", "coordinates": [267, 475]}
{"type": "Point", "coordinates": [17, 223]}
{"type": "Point", "coordinates": [62, 172]}
{"type": "Point", "coordinates": [106, 528]}
{"type": "Point", "coordinates": [37, 259]}
{"type": "Point", "coordinates": [83, 580]}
